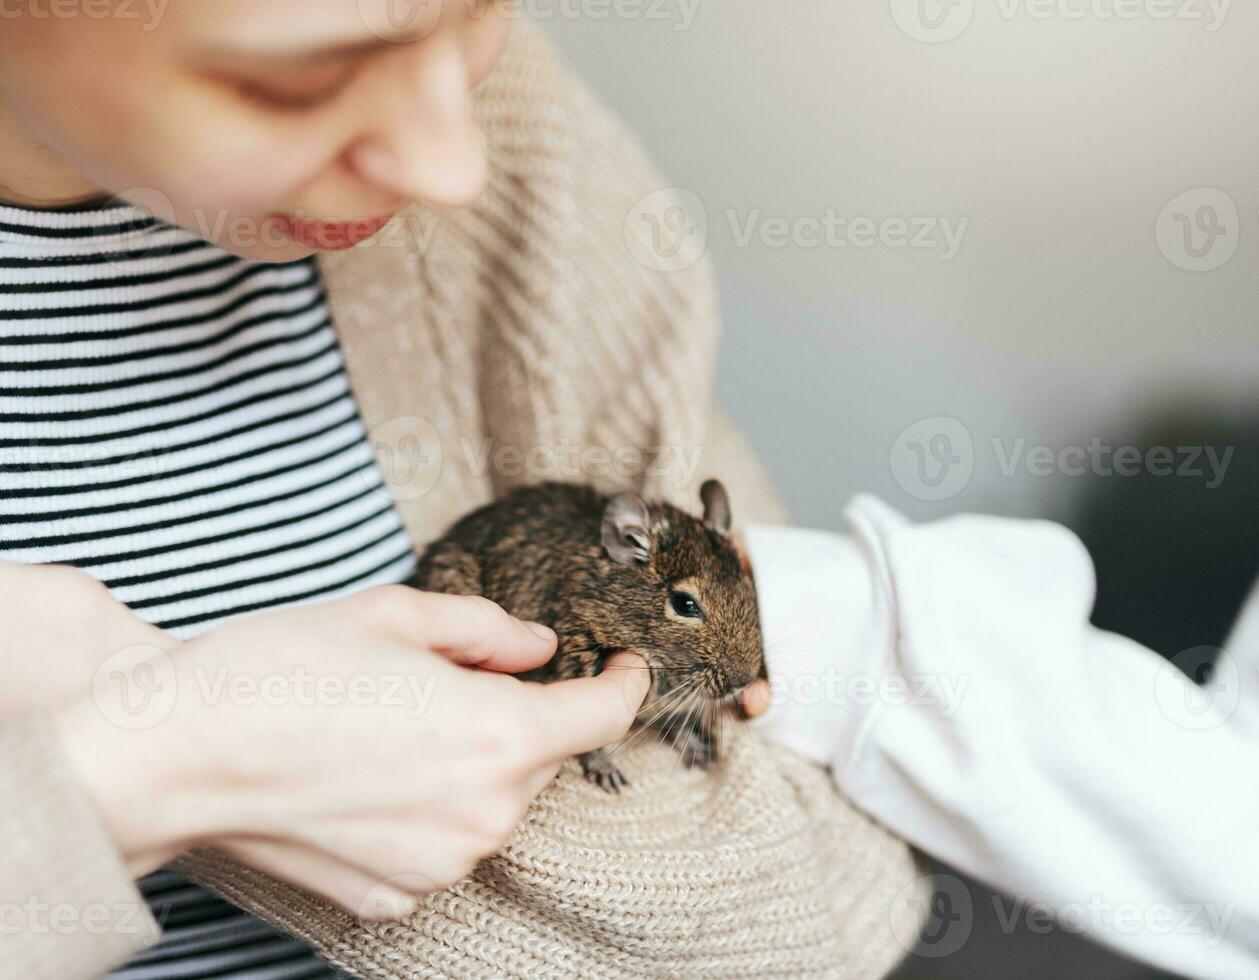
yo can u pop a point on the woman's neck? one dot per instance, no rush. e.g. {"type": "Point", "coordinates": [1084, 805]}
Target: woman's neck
{"type": "Point", "coordinates": [32, 175]}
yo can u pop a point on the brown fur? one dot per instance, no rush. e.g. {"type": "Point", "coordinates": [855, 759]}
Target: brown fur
{"type": "Point", "coordinates": [541, 552]}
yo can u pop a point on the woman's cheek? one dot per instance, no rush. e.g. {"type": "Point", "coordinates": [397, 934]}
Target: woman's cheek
{"type": "Point", "coordinates": [199, 142]}
{"type": "Point", "coordinates": [231, 168]}
{"type": "Point", "coordinates": [485, 44]}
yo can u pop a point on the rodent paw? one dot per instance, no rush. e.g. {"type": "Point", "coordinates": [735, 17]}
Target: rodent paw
{"type": "Point", "coordinates": [598, 769]}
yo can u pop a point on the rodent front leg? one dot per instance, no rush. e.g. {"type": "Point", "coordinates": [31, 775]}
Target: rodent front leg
{"type": "Point", "coordinates": [600, 770]}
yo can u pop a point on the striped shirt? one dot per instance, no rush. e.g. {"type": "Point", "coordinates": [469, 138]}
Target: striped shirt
{"type": "Point", "coordinates": [178, 422]}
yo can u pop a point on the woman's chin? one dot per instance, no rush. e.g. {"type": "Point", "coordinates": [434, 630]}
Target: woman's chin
{"type": "Point", "coordinates": [273, 253]}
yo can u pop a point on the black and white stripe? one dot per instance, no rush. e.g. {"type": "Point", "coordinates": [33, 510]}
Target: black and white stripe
{"type": "Point", "coordinates": [178, 422]}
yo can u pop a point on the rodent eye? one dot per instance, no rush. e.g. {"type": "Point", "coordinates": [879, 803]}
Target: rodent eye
{"type": "Point", "coordinates": [685, 604]}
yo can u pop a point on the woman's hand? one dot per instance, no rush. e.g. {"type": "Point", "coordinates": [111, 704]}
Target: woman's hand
{"type": "Point", "coordinates": [60, 626]}
{"type": "Point", "coordinates": [368, 749]}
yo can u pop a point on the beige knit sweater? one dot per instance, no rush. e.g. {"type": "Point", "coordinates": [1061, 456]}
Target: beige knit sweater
{"type": "Point", "coordinates": [757, 870]}
{"type": "Point", "coordinates": [504, 343]}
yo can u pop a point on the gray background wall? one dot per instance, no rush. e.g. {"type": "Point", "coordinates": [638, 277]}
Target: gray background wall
{"type": "Point", "coordinates": [1060, 141]}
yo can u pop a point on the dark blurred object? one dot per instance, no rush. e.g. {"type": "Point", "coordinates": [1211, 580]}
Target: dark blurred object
{"type": "Point", "coordinates": [1006, 941]}
{"type": "Point", "coordinates": [1176, 555]}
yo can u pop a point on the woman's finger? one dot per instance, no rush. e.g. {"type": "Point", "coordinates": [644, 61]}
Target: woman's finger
{"type": "Point", "coordinates": [591, 712]}
{"type": "Point", "coordinates": [541, 779]}
{"type": "Point", "coordinates": [340, 883]}
{"type": "Point", "coordinates": [475, 632]}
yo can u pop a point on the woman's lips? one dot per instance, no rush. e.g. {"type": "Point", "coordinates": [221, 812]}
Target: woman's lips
{"type": "Point", "coordinates": [328, 236]}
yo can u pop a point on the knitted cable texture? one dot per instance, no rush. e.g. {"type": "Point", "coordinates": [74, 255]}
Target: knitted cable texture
{"type": "Point", "coordinates": [757, 869]}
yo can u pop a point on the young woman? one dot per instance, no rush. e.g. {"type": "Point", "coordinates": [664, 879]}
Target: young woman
{"type": "Point", "coordinates": [239, 446]}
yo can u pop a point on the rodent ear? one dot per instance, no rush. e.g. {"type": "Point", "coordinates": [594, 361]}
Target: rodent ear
{"type": "Point", "coordinates": [626, 534]}
{"type": "Point", "coordinates": [716, 506]}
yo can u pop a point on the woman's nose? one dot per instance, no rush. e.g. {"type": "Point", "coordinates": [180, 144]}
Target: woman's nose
{"type": "Point", "coordinates": [419, 140]}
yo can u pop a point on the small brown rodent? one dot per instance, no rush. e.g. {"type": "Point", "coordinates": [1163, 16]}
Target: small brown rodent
{"type": "Point", "coordinates": [619, 573]}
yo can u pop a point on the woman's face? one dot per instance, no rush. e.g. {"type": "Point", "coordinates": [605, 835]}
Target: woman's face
{"type": "Point", "coordinates": [271, 127]}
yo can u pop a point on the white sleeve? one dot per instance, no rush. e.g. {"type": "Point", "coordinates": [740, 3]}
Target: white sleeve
{"type": "Point", "coordinates": [948, 674]}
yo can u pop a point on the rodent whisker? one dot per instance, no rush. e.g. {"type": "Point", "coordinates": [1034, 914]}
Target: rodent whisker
{"type": "Point", "coordinates": [628, 667]}
{"type": "Point", "coordinates": [696, 701]}
{"type": "Point", "coordinates": [680, 689]}
{"type": "Point", "coordinates": [708, 727]}
{"type": "Point", "coordinates": [675, 697]}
